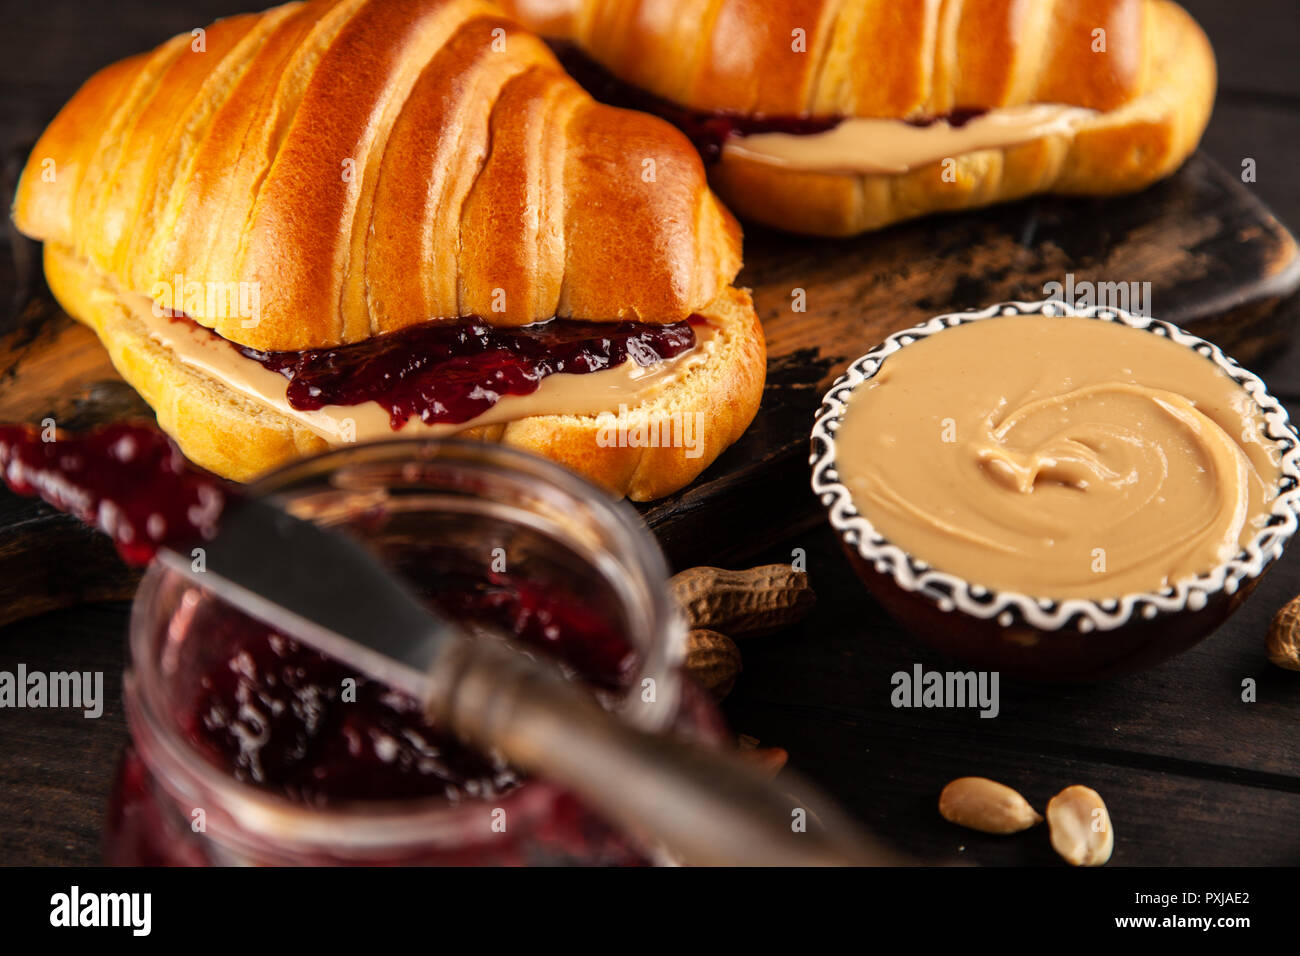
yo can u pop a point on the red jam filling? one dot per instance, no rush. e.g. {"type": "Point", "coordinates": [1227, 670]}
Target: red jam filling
{"type": "Point", "coordinates": [451, 372]}
{"type": "Point", "coordinates": [272, 712]}
{"type": "Point", "coordinates": [130, 481]}
{"type": "Point", "coordinates": [708, 130]}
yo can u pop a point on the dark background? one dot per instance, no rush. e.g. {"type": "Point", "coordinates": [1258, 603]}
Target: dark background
{"type": "Point", "coordinates": [1190, 773]}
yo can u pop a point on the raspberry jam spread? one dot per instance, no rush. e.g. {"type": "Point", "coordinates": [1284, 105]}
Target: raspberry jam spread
{"type": "Point", "coordinates": [273, 713]}
{"type": "Point", "coordinates": [709, 130]}
{"type": "Point", "coordinates": [452, 372]}
{"type": "Point", "coordinates": [128, 480]}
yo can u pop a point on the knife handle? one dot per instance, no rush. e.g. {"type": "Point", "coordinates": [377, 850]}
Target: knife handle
{"type": "Point", "coordinates": [710, 807]}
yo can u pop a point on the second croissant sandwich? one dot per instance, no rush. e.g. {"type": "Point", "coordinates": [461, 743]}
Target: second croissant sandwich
{"type": "Point", "coordinates": [350, 219]}
{"type": "Point", "coordinates": [838, 116]}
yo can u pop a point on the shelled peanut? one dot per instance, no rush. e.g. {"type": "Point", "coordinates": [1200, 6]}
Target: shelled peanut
{"type": "Point", "coordinates": [1078, 822]}
{"type": "Point", "coordinates": [986, 805]}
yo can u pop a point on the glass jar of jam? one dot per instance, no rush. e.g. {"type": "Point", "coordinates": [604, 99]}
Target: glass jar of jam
{"type": "Point", "coordinates": [248, 747]}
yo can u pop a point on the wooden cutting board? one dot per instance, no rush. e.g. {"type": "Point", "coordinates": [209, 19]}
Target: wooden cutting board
{"type": "Point", "coordinates": [1217, 261]}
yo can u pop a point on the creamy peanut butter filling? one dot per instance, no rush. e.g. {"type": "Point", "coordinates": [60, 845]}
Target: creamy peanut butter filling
{"type": "Point", "coordinates": [860, 145]}
{"type": "Point", "coordinates": [1058, 457]}
{"type": "Point", "coordinates": [593, 393]}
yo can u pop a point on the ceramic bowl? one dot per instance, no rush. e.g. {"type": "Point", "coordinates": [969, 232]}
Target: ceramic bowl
{"type": "Point", "coordinates": [1021, 635]}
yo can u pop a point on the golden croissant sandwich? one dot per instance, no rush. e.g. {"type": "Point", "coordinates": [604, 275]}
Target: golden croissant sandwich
{"type": "Point", "coordinates": [838, 116]}
{"type": "Point", "coordinates": [351, 219]}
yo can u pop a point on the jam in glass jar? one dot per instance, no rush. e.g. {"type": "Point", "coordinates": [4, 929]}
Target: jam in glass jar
{"type": "Point", "coordinates": [248, 747]}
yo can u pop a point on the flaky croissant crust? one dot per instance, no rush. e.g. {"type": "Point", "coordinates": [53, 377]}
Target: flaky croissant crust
{"type": "Point", "coordinates": [896, 59]}
{"type": "Point", "coordinates": [369, 164]}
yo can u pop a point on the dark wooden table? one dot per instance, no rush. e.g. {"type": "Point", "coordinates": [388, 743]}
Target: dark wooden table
{"type": "Point", "coordinates": [1191, 773]}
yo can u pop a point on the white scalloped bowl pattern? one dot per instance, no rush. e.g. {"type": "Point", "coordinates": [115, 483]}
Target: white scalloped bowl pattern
{"type": "Point", "coordinates": [1071, 639]}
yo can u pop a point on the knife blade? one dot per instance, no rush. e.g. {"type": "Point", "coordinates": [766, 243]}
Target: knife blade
{"type": "Point", "coordinates": [288, 573]}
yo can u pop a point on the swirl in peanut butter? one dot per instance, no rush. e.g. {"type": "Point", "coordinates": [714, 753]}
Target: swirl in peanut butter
{"type": "Point", "coordinates": [1058, 456]}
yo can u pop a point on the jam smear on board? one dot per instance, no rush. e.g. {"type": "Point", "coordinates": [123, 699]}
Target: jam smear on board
{"type": "Point", "coordinates": [451, 372]}
{"type": "Point", "coordinates": [128, 480]}
{"type": "Point", "coordinates": [708, 130]}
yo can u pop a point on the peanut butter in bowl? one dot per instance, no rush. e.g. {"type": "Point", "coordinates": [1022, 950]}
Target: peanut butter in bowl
{"type": "Point", "coordinates": [1048, 477]}
{"type": "Point", "coordinates": [1058, 456]}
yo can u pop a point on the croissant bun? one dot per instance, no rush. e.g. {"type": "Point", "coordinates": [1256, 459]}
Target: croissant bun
{"type": "Point", "coordinates": [372, 164]}
{"type": "Point", "coordinates": [1152, 87]}
{"type": "Point", "coordinates": [375, 164]}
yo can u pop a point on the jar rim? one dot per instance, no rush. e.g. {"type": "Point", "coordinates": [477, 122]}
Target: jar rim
{"type": "Point", "coordinates": [370, 825]}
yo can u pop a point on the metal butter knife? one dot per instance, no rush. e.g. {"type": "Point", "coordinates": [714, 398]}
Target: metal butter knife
{"type": "Point", "coordinates": [708, 807]}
